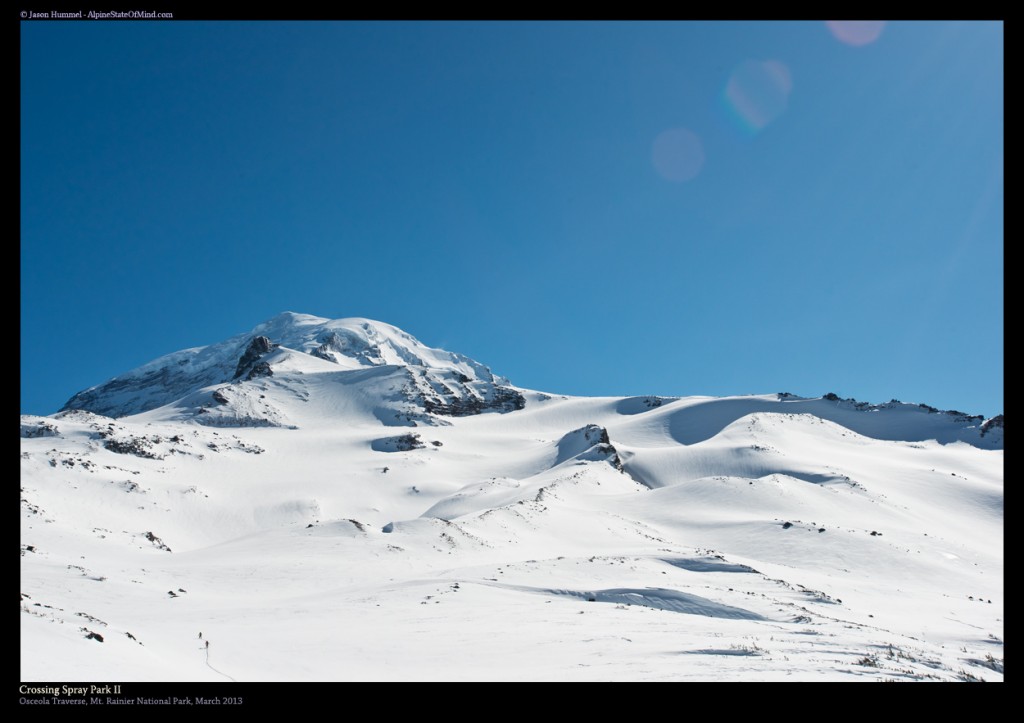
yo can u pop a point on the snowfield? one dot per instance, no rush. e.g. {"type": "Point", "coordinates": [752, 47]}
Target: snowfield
{"type": "Point", "coordinates": [341, 502]}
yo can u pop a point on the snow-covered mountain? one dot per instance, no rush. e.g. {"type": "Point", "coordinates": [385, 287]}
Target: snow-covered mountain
{"type": "Point", "coordinates": [425, 379]}
{"type": "Point", "coordinates": [333, 500]}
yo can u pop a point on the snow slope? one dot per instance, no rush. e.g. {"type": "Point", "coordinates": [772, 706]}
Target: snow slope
{"type": "Point", "coordinates": [373, 509]}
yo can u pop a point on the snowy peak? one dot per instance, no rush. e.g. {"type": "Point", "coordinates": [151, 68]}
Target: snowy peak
{"type": "Point", "coordinates": [357, 342]}
{"type": "Point", "coordinates": [452, 383]}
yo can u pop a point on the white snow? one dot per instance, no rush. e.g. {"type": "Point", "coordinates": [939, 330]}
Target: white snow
{"type": "Point", "coordinates": [745, 538]}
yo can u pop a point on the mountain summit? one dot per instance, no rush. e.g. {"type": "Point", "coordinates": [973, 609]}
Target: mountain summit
{"type": "Point", "coordinates": [430, 381]}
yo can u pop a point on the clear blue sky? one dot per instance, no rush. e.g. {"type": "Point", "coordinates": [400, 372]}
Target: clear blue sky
{"type": "Point", "coordinates": [589, 208]}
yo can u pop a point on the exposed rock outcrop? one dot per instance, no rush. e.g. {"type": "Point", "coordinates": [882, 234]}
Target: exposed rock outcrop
{"type": "Point", "coordinates": [259, 346]}
{"type": "Point", "coordinates": [259, 369]}
{"type": "Point", "coordinates": [138, 446]}
{"type": "Point", "coordinates": [501, 399]}
{"type": "Point", "coordinates": [30, 430]}
{"type": "Point", "coordinates": [992, 424]}
{"type": "Point", "coordinates": [454, 394]}
{"type": "Point", "coordinates": [403, 443]}
{"type": "Point", "coordinates": [589, 442]}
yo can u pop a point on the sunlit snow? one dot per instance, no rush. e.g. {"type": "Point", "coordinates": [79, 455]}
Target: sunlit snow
{"type": "Point", "coordinates": [380, 510]}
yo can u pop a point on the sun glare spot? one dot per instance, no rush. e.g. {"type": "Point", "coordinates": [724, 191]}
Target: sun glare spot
{"type": "Point", "coordinates": [677, 154]}
{"type": "Point", "coordinates": [757, 93]}
{"type": "Point", "coordinates": [856, 32]}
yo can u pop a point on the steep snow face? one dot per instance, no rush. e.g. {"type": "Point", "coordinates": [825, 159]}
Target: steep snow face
{"type": "Point", "coordinates": [442, 382]}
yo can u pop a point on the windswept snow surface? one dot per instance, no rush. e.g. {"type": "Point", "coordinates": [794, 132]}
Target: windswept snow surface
{"type": "Point", "coordinates": [373, 509]}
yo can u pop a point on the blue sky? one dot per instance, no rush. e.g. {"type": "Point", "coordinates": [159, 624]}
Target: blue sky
{"type": "Point", "coordinates": [589, 208]}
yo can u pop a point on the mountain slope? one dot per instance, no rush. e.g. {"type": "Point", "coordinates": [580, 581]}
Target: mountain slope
{"type": "Point", "coordinates": [375, 509]}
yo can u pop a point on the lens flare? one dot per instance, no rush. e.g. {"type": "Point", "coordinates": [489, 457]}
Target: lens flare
{"type": "Point", "coordinates": [757, 93]}
{"type": "Point", "coordinates": [677, 154]}
{"type": "Point", "coordinates": [856, 32]}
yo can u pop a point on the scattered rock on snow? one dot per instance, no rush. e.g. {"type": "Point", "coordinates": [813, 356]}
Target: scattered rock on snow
{"type": "Point", "coordinates": [156, 541]}
{"type": "Point", "coordinates": [402, 443]}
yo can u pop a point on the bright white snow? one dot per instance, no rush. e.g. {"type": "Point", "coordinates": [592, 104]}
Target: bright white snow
{"type": "Point", "coordinates": [746, 538]}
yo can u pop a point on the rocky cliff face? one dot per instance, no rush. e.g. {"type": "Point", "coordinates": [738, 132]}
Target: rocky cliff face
{"type": "Point", "coordinates": [456, 395]}
{"type": "Point", "coordinates": [247, 365]}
